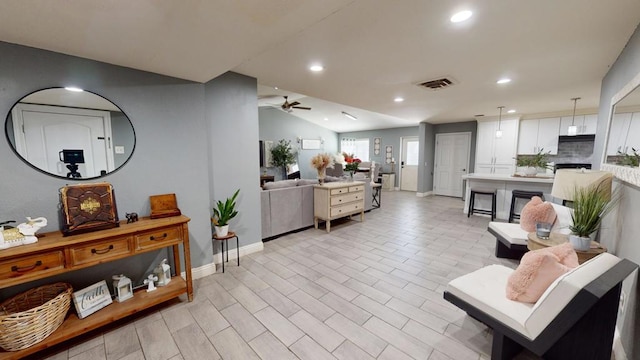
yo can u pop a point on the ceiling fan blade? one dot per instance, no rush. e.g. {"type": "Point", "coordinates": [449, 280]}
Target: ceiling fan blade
{"type": "Point", "coordinates": [301, 107]}
{"type": "Point", "coordinates": [294, 103]}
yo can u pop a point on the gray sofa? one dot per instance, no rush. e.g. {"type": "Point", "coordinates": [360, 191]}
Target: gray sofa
{"type": "Point", "coordinates": [288, 205]}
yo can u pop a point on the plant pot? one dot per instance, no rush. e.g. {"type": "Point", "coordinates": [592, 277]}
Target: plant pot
{"type": "Point", "coordinates": [530, 171]}
{"type": "Point", "coordinates": [580, 243]}
{"type": "Point", "coordinates": [222, 230]}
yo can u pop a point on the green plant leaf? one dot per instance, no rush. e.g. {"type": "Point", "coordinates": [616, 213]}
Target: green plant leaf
{"type": "Point", "coordinates": [225, 211]}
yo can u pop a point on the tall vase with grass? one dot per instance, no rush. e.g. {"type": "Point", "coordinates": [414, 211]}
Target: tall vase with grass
{"type": "Point", "coordinates": [223, 213]}
{"type": "Point", "coordinates": [590, 205]}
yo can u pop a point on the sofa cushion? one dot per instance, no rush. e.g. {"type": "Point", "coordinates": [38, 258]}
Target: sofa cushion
{"type": "Point", "coordinates": [537, 270]}
{"type": "Point", "coordinates": [536, 211]}
{"type": "Point", "coordinates": [510, 232]}
{"type": "Point", "coordinates": [280, 184]}
{"type": "Point", "coordinates": [303, 182]}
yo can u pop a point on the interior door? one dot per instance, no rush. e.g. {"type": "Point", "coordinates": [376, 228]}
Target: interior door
{"type": "Point", "coordinates": [451, 162]}
{"type": "Point", "coordinates": [409, 164]}
{"type": "Point", "coordinates": [41, 132]}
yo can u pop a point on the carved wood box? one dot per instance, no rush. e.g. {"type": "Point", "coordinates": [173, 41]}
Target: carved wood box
{"type": "Point", "coordinates": [87, 207]}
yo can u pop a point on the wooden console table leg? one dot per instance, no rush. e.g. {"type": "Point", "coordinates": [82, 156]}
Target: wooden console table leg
{"type": "Point", "coordinates": [187, 262]}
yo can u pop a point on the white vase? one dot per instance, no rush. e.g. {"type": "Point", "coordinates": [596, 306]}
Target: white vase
{"type": "Point", "coordinates": [222, 230]}
{"type": "Point", "coordinates": [580, 243]}
{"type": "Point", "coordinates": [530, 170]}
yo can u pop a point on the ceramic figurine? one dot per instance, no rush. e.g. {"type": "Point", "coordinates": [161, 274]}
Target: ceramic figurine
{"type": "Point", "coordinates": [149, 282]}
{"type": "Point", "coordinates": [132, 217]}
{"type": "Point", "coordinates": [163, 272]}
{"type": "Point", "coordinates": [23, 234]}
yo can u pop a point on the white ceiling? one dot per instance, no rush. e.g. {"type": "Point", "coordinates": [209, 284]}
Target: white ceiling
{"type": "Point", "coordinates": [372, 50]}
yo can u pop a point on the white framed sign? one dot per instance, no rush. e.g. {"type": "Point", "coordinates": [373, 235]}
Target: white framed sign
{"type": "Point", "coordinates": [311, 144]}
{"type": "Point", "coordinates": [91, 299]}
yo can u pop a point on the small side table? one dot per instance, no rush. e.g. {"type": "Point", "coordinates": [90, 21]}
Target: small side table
{"type": "Point", "coordinates": [230, 235]}
{"type": "Point", "coordinates": [377, 195]}
{"type": "Point", "coordinates": [558, 239]}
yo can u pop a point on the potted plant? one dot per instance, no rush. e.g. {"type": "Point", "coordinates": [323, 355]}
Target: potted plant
{"type": "Point", "coordinates": [321, 162]}
{"type": "Point", "coordinates": [532, 163]}
{"type": "Point", "coordinates": [351, 164]}
{"type": "Point", "coordinates": [590, 205]}
{"type": "Point", "coordinates": [283, 155]}
{"type": "Point", "coordinates": [632, 159]}
{"type": "Point", "coordinates": [222, 213]}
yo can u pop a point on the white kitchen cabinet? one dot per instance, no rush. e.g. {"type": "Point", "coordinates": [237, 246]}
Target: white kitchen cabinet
{"type": "Point", "coordinates": [586, 124]}
{"type": "Point", "coordinates": [590, 124]}
{"type": "Point", "coordinates": [493, 154]}
{"type": "Point", "coordinates": [539, 135]}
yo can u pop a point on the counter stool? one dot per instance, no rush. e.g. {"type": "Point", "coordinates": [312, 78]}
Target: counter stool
{"type": "Point", "coordinates": [521, 194]}
{"type": "Point", "coordinates": [226, 238]}
{"type": "Point", "coordinates": [472, 201]}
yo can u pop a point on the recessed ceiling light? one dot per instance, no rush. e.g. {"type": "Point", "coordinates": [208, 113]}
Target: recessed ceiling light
{"type": "Point", "coordinates": [74, 89]}
{"type": "Point", "coordinates": [511, 111]}
{"type": "Point", "coordinates": [503, 81]}
{"type": "Point", "coordinates": [398, 99]}
{"type": "Point", "coordinates": [316, 68]}
{"type": "Point", "coordinates": [275, 87]}
{"type": "Point", "coordinates": [461, 16]}
{"type": "Point", "coordinates": [326, 119]}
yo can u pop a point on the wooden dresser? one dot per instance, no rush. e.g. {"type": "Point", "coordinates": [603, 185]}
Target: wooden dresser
{"type": "Point", "coordinates": [54, 254]}
{"type": "Point", "coordinates": [336, 200]}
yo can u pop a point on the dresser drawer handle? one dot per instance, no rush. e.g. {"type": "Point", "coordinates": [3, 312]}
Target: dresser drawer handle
{"type": "Point", "coordinates": [102, 251]}
{"type": "Point", "coordinates": [152, 238]}
{"type": "Point", "coordinates": [26, 268]}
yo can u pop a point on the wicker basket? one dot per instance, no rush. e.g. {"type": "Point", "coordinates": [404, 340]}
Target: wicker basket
{"type": "Point", "coordinates": [31, 316]}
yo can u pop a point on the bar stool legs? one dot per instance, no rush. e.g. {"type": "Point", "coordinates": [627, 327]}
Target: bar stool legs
{"type": "Point", "coordinates": [521, 194]}
{"type": "Point", "coordinates": [472, 201]}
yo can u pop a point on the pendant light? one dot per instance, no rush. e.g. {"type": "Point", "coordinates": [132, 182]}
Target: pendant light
{"type": "Point", "coordinates": [573, 129]}
{"type": "Point", "coordinates": [499, 132]}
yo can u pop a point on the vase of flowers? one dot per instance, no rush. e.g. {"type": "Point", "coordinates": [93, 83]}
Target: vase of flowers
{"type": "Point", "coordinates": [321, 162]}
{"type": "Point", "coordinates": [351, 164]}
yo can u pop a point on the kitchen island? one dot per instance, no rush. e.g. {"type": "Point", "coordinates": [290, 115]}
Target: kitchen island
{"type": "Point", "coordinates": [504, 184]}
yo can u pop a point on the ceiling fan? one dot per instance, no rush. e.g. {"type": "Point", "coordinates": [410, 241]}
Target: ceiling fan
{"type": "Point", "coordinates": [288, 107]}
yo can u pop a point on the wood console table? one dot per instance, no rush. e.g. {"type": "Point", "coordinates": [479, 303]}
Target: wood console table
{"type": "Point", "coordinates": [54, 254]}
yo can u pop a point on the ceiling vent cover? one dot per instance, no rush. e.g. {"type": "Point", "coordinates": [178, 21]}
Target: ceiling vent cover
{"type": "Point", "coordinates": [437, 84]}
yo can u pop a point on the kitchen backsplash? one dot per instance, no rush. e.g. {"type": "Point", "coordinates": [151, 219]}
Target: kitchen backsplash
{"type": "Point", "coordinates": [574, 152]}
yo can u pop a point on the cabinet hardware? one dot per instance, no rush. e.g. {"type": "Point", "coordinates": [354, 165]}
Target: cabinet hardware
{"type": "Point", "coordinates": [102, 251]}
{"type": "Point", "coordinates": [15, 268]}
{"type": "Point", "coordinates": [152, 238]}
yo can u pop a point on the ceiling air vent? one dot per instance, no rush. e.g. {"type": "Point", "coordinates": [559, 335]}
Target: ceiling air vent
{"type": "Point", "coordinates": [437, 84]}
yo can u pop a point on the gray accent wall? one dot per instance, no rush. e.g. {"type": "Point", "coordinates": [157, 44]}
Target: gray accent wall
{"type": "Point", "coordinates": [195, 140]}
{"type": "Point", "coordinates": [388, 137]}
{"type": "Point", "coordinates": [276, 124]}
{"type": "Point", "coordinates": [621, 234]}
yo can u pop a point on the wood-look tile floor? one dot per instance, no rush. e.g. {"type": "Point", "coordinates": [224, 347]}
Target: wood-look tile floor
{"type": "Point", "coordinates": [370, 290]}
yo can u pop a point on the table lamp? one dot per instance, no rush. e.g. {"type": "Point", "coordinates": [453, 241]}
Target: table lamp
{"type": "Point", "coordinates": [566, 181]}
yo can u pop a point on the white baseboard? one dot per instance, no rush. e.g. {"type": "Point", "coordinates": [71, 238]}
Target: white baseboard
{"type": "Point", "coordinates": [209, 269]}
{"type": "Point", "coordinates": [424, 194]}
{"type": "Point", "coordinates": [618, 349]}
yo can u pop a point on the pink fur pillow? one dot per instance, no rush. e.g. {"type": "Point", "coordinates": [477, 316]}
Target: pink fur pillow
{"type": "Point", "coordinates": [537, 270]}
{"type": "Point", "coordinates": [536, 211]}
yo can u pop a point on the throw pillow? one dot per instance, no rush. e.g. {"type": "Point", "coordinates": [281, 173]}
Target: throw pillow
{"type": "Point", "coordinates": [566, 254]}
{"type": "Point", "coordinates": [536, 211]}
{"type": "Point", "coordinates": [537, 270]}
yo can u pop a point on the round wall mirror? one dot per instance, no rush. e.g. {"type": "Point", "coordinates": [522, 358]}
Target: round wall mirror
{"type": "Point", "coordinates": [70, 133]}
